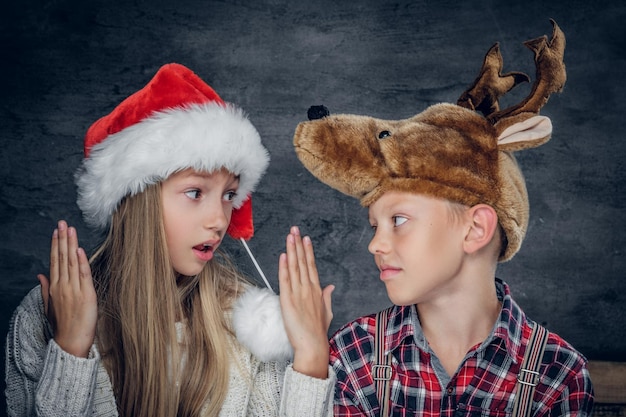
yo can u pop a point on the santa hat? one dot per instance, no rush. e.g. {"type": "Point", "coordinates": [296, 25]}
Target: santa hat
{"type": "Point", "coordinates": [175, 122]}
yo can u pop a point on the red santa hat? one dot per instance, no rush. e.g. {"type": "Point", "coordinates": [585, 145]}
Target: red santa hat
{"type": "Point", "coordinates": [175, 122]}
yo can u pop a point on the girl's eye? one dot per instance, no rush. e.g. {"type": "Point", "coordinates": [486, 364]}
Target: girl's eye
{"type": "Point", "coordinates": [193, 194]}
{"type": "Point", "coordinates": [399, 220]}
{"type": "Point", "coordinates": [230, 195]}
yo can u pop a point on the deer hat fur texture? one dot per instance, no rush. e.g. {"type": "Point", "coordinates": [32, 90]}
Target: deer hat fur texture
{"type": "Point", "coordinates": [449, 151]}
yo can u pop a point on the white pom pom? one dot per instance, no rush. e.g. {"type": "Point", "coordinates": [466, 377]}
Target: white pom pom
{"type": "Point", "coordinates": [258, 325]}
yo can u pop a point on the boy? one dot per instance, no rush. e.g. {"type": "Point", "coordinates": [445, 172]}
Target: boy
{"type": "Point", "coordinates": [447, 202]}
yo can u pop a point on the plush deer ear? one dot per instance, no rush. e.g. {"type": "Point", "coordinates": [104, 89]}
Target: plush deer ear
{"type": "Point", "coordinates": [529, 133]}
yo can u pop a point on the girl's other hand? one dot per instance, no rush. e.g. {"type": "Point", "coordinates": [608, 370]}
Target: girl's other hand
{"type": "Point", "coordinates": [307, 309]}
{"type": "Point", "coordinates": [69, 297]}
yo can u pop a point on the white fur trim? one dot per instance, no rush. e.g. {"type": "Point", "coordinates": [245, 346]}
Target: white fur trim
{"type": "Point", "coordinates": [205, 137]}
{"type": "Point", "coordinates": [258, 325]}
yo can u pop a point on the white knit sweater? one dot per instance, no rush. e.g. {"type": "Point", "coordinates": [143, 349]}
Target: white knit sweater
{"type": "Point", "coordinates": [44, 380]}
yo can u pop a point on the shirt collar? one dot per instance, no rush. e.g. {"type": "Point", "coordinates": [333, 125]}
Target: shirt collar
{"type": "Point", "coordinates": [401, 324]}
{"type": "Point", "coordinates": [510, 325]}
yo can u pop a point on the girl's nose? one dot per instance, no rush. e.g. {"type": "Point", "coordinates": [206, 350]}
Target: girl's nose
{"type": "Point", "coordinates": [217, 216]}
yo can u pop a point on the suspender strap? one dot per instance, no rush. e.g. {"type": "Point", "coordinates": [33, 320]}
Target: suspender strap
{"type": "Point", "coordinates": [381, 370]}
{"type": "Point", "coordinates": [528, 376]}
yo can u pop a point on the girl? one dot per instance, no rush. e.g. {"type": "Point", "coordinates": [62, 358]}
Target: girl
{"type": "Point", "coordinates": [158, 322]}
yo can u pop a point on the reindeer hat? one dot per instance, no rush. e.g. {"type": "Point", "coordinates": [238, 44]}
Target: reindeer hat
{"type": "Point", "coordinates": [447, 151]}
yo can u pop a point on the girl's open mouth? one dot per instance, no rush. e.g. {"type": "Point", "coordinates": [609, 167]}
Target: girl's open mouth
{"type": "Point", "coordinates": [203, 251]}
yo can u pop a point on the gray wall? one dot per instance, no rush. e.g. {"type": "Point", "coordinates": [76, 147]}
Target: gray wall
{"type": "Point", "coordinates": [67, 62]}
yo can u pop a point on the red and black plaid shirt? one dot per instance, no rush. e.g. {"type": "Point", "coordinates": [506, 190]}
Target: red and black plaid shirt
{"type": "Point", "coordinates": [484, 384]}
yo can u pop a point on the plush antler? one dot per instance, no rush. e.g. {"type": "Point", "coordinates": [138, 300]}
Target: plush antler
{"type": "Point", "coordinates": [490, 85]}
{"type": "Point", "coordinates": [550, 77]}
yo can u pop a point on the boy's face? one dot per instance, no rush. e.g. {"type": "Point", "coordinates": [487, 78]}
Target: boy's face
{"type": "Point", "coordinates": [417, 246]}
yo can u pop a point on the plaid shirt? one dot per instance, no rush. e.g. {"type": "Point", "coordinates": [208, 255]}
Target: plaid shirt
{"type": "Point", "coordinates": [484, 384]}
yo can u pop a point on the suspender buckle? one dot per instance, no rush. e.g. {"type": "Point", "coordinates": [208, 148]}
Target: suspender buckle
{"type": "Point", "coordinates": [528, 377]}
{"type": "Point", "coordinates": [381, 372]}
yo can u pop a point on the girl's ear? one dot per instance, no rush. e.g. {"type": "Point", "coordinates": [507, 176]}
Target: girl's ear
{"type": "Point", "coordinates": [483, 226]}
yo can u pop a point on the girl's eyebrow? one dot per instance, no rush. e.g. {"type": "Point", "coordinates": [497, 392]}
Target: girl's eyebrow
{"type": "Point", "coordinates": [235, 179]}
{"type": "Point", "coordinates": [206, 175]}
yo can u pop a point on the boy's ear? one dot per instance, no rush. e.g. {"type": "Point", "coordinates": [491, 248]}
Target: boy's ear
{"type": "Point", "coordinates": [483, 225]}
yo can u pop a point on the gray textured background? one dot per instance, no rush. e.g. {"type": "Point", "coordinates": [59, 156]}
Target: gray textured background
{"type": "Point", "coordinates": [67, 62]}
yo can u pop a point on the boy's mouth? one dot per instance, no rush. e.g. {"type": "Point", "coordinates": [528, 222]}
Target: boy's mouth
{"type": "Point", "coordinates": [387, 272]}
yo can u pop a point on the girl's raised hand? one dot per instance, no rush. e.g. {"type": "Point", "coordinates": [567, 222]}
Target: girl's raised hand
{"type": "Point", "coordinates": [307, 309]}
{"type": "Point", "coordinates": [69, 296]}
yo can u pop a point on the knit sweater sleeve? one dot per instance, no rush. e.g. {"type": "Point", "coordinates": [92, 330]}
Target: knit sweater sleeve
{"type": "Point", "coordinates": [41, 378]}
{"type": "Point", "coordinates": [281, 391]}
{"type": "Point", "coordinates": [307, 396]}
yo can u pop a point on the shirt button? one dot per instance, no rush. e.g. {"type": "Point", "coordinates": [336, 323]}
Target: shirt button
{"type": "Point", "coordinates": [450, 390]}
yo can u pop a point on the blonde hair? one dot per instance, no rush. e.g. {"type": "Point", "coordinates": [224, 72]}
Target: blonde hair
{"type": "Point", "coordinates": [141, 298]}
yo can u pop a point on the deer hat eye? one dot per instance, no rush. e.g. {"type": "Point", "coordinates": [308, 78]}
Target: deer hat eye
{"type": "Point", "coordinates": [384, 134]}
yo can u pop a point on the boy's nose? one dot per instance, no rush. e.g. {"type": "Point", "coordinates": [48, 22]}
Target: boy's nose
{"type": "Point", "coordinates": [379, 244]}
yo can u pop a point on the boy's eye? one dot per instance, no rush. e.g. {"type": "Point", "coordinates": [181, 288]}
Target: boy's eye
{"type": "Point", "coordinates": [399, 220]}
{"type": "Point", "coordinates": [230, 195]}
{"type": "Point", "coordinates": [193, 194]}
